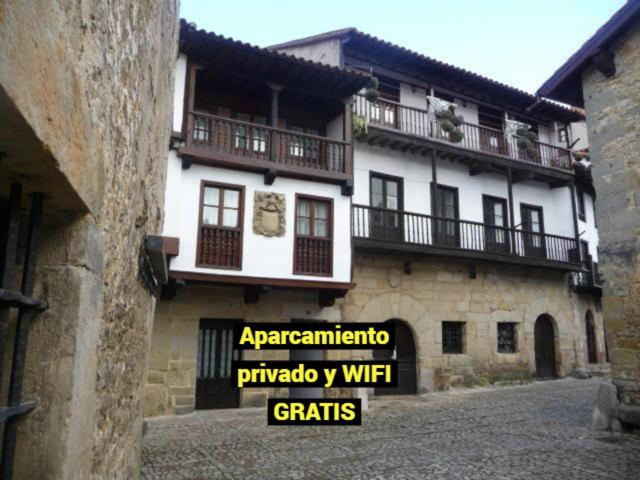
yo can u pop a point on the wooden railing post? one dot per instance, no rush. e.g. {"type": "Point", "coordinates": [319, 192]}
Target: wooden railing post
{"type": "Point", "coordinates": [347, 136]}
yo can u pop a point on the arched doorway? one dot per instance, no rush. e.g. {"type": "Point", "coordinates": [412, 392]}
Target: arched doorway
{"type": "Point", "coordinates": [592, 351]}
{"type": "Point", "coordinates": [545, 348]}
{"type": "Point", "coordinates": [405, 354]}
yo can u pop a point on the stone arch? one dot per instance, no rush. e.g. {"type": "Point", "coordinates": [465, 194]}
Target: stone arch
{"type": "Point", "coordinates": [545, 330]}
{"type": "Point", "coordinates": [405, 356]}
{"type": "Point", "coordinates": [414, 313]}
{"type": "Point", "coordinates": [563, 333]}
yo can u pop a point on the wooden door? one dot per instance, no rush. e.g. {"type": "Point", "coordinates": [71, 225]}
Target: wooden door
{"type": "Point", "coordinates": [545, 349]}
{"type": "Point", "coordinates": [386, 217]}
{"type": "Point", "coordinates": [533, 231]}
{"type": "Point", "coordinates": [592, 351]}
{"type": "Point", "coordinates": [405, 354]}
{"type": "Point", "coordinates": [213, 367]}
{"type": "Point", "coordinates": [446, 226]}
{"type": "Point", "coordinates": [496, 236]}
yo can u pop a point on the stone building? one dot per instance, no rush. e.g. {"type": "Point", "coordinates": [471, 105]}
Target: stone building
{"type": "Point", "coordinates": [603, 77]}
{"type": "Point", "coordinates": [85, 100]}
{"type": "Point", "coordinates": [294, 194]}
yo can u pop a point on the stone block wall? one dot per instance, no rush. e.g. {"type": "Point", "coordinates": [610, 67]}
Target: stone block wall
{"type": "Point", "coordinates": [440, 290]}
{"type": "Point", "coordinates": [613, 119]}
{"type": "Point", "coordinates": [171, 380]}
{"type": "Point", "coordinates": [86, 91]}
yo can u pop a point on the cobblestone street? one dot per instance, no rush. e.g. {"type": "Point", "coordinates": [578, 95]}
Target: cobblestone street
{"type": "Point", "coordinates": [538, 430]}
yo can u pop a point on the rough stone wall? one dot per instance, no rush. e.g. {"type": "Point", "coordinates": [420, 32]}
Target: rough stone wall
{"type": "Point", "coordinates": [172, 365]}
{"type": "Point", "coordinates": [93, 83]}
{"type": "Point", "coordinates": [613, 118]}
{"type": "Point", "coordinates": [440, 290]}
{"type": "Point", "coordinates": [436, 290]}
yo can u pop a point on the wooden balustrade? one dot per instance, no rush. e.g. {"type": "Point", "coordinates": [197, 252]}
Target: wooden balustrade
{"type": "Point", "coordinates": [399, 227]}
{"type": "Point", "coordinates": [416, 121]}
{"type": "Point", "coordinates": [212, 134]}
{"type": "Point", "coordinates": [220, 247]}
{"type": "Point", "coordinates": [312, 256]}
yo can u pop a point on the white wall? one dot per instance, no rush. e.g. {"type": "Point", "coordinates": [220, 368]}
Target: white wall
{"type": "Point", "coordinates": [327, 52]}
{"type": "Point", "coordinates": [589, 227]}
{"type": "Point", "coordinates": [178, 93]}
{"type": "Point", "coordinates": [417, 99]}
{"type": "Point", "coordinates": [416, 173]}
{"type": "Point", "coordinates": [261, 256]}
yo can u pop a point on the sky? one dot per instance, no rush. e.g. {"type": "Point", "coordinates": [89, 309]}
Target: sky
{"type": "Point", "coordinates": [520, 43]}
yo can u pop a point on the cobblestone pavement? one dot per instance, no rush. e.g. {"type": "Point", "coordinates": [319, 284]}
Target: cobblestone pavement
{"type": "Point", "coordinates": [540, 430]}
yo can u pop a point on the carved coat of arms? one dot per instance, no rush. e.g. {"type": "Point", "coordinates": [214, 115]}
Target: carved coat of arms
{"type": "Point", "coordinates": [268, 214]}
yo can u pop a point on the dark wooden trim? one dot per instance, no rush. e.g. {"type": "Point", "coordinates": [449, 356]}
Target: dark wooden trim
{"type": "Point", "coordinates": [434, 179]}
{"type": "Point", "coordinates": [534, 207]}
{"type": "Point", "coordinates": [238, 162]}
{"type": "Point", "coordinates": [241, 280]}
{"type": "Point", "coordinates": [329, 201]}
{"type": "Point", "coordinates": [189, 98]}
{"type": "Point", "coordinates": [457, 253]}
{"type": "Point", "coordinates": [376, 132]}
{"type": "Point", "coordinates": [393, 178]}
{"type": "Point", "coordinates": [171, 246]}
{"type": "Point", "coordinates": [240, 228]}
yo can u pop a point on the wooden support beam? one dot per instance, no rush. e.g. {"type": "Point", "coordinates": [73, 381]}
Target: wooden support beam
{"type": "Point", "coordinates": [327, 298]}
{"type": "Point", "coordinates": [512, 222]}
{"type": "Point", "coordinates": [252, 293]}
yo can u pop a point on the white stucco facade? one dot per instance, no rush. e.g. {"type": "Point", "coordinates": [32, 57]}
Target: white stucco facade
{"type": "Point", "coordinates": [263, 257]}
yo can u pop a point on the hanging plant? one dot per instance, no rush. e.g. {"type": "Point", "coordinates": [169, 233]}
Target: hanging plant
{"type": "Point", "coordinates": [451, 123]}
{"type": "Point", "coordinates": [371, 92]}
{"type": "Point", "coordinates": [525, 139]}
{"type": "Point", "coordinates": [359, 124]}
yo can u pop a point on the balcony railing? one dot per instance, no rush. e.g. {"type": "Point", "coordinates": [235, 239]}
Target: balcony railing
{"type": "Point", "coordinates": [415, 121]}
{"type": "Point", "coordinates": [261, 145]}
{"type": "Point", "coordinates": [220, 247]}
{"type": "Point", "coordinates": [591, 279]}
{"type": "Point", "coordinates": [406, 228]}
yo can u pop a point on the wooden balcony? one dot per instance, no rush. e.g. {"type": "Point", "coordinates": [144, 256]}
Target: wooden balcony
{"type": "Point", "coordinates": [382, 229]}
{"type": "Point", "coordinates": [590, 281]}
{"type": "Point", "coordinates": [413, 123]}
{"type": "Point", "coordinates": [249, 146]}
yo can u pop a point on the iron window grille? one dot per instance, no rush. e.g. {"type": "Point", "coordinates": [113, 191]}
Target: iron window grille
{"type": "Point", "coordinates": [506, 337]}
{"type": "Point", "coordinates": [26, 304]}
{"type": "Point", "coordinates": [453, 337]}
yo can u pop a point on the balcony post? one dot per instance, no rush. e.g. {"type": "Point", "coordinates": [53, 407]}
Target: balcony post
{"type": "Point", "coordinates": [572, 189]}
{"type": "Point", "coordinates": [273, 135]}
{"type": "Point", "coordinates": [347, 135]}
{"type": "Point", "coordinates": [190, 95]}
{"type": "Point", "coordinates": [512, 222]}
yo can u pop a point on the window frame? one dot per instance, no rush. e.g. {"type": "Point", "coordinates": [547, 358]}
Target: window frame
{"type": "Point", "coordinates": [329, 236]}
{"type": "Point", "coordinates": [462, 334]}
{"type": "Point", "coordinates": [239, 228]}
{"type": "Point", "coordinates": [514, 346]}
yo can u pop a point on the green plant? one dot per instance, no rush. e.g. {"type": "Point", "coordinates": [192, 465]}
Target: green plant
{"type": "Point", "coordinates": [371, 95]}
{"type": "Point", "coordinates": [359, 124]}
{"type": "Point", "coordinates": [525, 140]}
{"type": "Point", "coordinates": [456, 135]}
{"type": "Point", "coordinates": [373, 84]}
{"type": "Point", "coordinates": [450, 123]}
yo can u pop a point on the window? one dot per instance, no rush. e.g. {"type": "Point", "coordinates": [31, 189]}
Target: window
{"type": "Point", "coordinates": [202, 126]}
{"type": "Point", "coordinates": [220, 228]}
{"type": "Point", "coordinates": [563, 138]}
{"type": "Point", "coordinates": [506, 337]}
{"type": "Point", "coordinates": [386, 197]}
{"type": "Point", "coordinates": [495, 219]}
{"type": "Point", "coordinates": [581, 209]}
{"type": "Point", "coordinates": [452, 337]}
{"type": "Point", "coordinates": [533, 230]}
{"type": "Point", "coordinates": [313, 250]}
